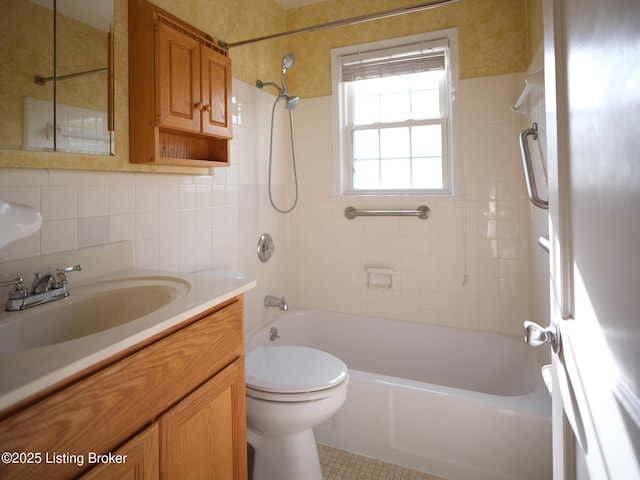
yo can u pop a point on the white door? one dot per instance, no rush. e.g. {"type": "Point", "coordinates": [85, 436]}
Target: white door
{"type": "Point", "coordinates": [592, 75]}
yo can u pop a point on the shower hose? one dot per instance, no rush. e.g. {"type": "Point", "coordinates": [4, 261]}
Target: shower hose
{"type": "Point", "coordinates": [293, 156]}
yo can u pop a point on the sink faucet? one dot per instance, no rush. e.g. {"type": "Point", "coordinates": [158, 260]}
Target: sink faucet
{"type": "Point", "coordinates": [271, 301]}
{"type": "Point", "coordinates": [44, 289]}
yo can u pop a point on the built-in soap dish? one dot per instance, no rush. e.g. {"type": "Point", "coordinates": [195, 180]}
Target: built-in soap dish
{"type": "Point", "coordinates": [381, 278]}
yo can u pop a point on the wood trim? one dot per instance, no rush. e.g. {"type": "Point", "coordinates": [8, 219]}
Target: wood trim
{"type": "Point", "coordinates": [142, 121]}
{"type": "Point", "coordinates": [98, 412]}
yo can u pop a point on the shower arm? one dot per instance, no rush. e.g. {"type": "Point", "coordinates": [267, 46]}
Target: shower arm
{"type": "Point", "coordinates": [260, 84]}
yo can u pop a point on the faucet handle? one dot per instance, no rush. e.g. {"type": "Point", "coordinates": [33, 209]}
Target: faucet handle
{"type": "Point", "coordinates": [18, 291]}
{"type": "Point", "coordinates": [75, 268]}
{"type": "Point", "coordinates": [61, 278]}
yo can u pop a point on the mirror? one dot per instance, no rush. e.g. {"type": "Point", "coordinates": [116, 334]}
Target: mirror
{"type": "Point", "coordinates": [63, 106]}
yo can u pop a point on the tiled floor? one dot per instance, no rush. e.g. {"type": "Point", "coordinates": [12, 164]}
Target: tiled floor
{"type": "Point", "coordinates": [340, 465]}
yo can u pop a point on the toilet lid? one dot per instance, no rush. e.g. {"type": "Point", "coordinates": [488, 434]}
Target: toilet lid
{"type": "Point", "coordinates": [293, 369]}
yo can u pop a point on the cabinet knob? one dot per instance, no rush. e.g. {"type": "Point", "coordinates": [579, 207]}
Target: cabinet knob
{"type": "Point", "coordinates": [202, 108]}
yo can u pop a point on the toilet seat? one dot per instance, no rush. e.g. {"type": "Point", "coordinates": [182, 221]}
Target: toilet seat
{"type": "Point", "coordinates": [293, 373]}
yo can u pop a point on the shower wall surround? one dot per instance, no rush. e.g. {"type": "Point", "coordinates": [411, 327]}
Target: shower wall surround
{"type": "Point", "coordinates": [483, 234]}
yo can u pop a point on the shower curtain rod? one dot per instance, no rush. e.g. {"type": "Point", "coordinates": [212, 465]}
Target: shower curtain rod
{"type": "Point", "coordinates": [347, 21]}
{"type": "Point", "coordinates": [42, 80]}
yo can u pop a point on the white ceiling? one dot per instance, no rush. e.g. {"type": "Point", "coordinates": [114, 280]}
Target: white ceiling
{"type": "Point", "coordinates": [287, 4]}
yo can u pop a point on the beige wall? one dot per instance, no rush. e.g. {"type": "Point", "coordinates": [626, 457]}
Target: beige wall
{"type": "Point", "coordinates": [492, 36]}
{"type": "Point", "coordinates": [536, 29]}
{"type": "Point", "coordinates": [223, 19]}
{"type": "Point", "coordinates": [493, 40]}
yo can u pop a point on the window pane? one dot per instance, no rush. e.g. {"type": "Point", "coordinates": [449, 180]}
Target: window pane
{"type": "Point", "coordinates": [365, 144]}
{"type": "Point", "coordinates": [366, 110]}
{"type": "Point", "coordinates": [394, 142]}
{"type": "Point", "coordinates": [364, 88]}
{"type": "Point", "coordinates": [427, 173]}
{"type": "Point", "coordinates": [426, 141]}
{"type": "Point", "coordinates": [395, 84]}
{"type": "Point", "coordinates": [395, 107]}
{"type": "Point", "coordinates": [425, 104]}
{"type": "Point", "coordinates": [366, 174]}
{"type": "Point", "coordinates": [430, 80]}
{"type": "Point", "coordinates": [395, 174]}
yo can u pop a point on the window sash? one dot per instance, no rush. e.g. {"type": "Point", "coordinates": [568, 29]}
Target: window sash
{"type": "Point", "coordinates": [350, 171]}
{"type": "Point", "coordinates": [440, 50]}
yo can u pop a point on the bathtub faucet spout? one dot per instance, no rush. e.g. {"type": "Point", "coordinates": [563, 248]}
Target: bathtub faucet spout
{"type": "Point", "coordinates": [271, 301]}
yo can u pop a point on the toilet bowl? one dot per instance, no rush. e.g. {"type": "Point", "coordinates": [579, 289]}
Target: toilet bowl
{"type": "Point", "coordinates": [290, 390]}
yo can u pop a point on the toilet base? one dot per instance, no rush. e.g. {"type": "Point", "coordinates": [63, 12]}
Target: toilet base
{"type": "Point", "coordinates": [289, 457]}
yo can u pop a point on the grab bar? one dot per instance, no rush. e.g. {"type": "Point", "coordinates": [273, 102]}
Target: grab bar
{"type": "Point", "coordinates": [529, 176]}
{"type": "Point", "coordinates": [421, 212]}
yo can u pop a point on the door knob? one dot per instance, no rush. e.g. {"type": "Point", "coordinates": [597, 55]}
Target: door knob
{"type": "Point", "coordinates": [535, 335]}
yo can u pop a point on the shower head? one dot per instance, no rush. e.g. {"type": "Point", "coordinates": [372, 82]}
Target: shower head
{"type": "Point", "coordinates": [291, 102]}
{"type": "Point", "coordinates": [287, 61]}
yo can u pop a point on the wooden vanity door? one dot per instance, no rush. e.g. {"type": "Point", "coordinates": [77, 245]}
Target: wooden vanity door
{"type": "Point", "coordinates": [216, 93]}
{"type": "Point", "coordinates": [204, 436]}
{"type": "Point", "coordinates": [177, 80]}
{"type": "Point", "coordinates": [139, 460]}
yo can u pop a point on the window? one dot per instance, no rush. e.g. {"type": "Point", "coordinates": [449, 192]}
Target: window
{"type": "Point", "coordinates": [394, 106]}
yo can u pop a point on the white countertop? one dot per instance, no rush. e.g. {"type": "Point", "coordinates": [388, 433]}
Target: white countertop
{"type": "Point", "coordinates": [24, 373]}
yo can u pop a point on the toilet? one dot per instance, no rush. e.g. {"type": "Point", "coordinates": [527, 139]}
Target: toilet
{"type": "Point", "coordinates": [290, 390]}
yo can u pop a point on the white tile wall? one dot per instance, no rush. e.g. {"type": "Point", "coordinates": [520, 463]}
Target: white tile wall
{"type": "Point", "coordinates": [189, 223]}
{"type": "Point", "coordinates": [483, 235]}
{"type": "Point", "coordinates": [78, 129]}
{"type": "Point", "coordinates": [169, 218]}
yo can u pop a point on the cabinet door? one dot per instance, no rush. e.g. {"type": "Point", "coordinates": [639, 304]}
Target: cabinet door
{"type": "Point", "coordinates": [204, 436]}
{"type": "Point", "coordinates": [178, 100]}
{"type": "Point", "coordinates": [216, 93]}
{"type": "Point", "coordinates": [138, 459]}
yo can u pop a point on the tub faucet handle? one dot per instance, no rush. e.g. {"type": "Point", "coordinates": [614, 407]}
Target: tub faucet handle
{"type": "Point", "coordinates": [271, 301]}
{"type": "Point", "coordinates": [273, 334]}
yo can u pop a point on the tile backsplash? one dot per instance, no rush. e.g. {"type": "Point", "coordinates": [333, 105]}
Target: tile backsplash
{"type": "Point", "coordinates": [176, 222]}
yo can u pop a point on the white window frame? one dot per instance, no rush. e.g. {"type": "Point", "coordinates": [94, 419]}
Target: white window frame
{"type": "Point", "coordinates": [343, 167]}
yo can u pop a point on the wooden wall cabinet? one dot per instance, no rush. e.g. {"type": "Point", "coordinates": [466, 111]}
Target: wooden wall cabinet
{"type": "Point", "coordinates": [175, 407]}
{"type": "Point", "coordinates": [179, 92]}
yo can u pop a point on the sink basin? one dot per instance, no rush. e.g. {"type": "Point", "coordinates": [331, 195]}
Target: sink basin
{"type": "Point", "coordinates": [90, 309]}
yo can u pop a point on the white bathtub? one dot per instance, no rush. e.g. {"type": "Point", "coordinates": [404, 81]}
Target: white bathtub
{"type": "Point", "coordinates": [457, 403]}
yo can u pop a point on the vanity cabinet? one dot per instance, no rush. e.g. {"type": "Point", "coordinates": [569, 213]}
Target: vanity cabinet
{"type": "Point", "coordinates": [174, 405]}
{"type": "Point", "coordinates": [179, 91]}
